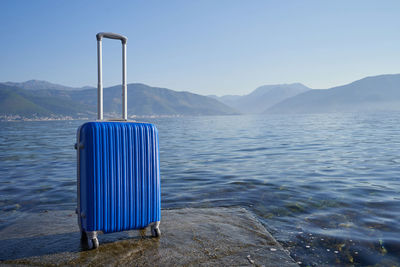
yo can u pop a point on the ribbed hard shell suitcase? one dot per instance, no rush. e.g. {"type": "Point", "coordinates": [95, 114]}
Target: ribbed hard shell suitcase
{"type": "Point", "coordinates": [118, 171]}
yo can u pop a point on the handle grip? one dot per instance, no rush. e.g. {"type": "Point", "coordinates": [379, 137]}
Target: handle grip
{"type": "Point", "coordinates": [111, 35]}
{"type": "Point", "coordinates": [123, 39]}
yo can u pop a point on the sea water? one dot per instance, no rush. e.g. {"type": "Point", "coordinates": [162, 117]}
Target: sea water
{"type": "Point", "coordinates": [326, 186]}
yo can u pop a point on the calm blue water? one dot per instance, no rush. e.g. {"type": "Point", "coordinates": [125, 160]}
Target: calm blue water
{"type": "Point", "coordinates": [326, 186]}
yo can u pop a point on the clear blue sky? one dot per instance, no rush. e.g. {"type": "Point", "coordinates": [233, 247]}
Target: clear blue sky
{"type": "Point", "coordinates": [207, 47]}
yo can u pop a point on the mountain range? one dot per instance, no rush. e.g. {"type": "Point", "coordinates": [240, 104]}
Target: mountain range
{"type": "Point", "coordinates": [262, 97]}
{"type": "Point", "coordinates": [370, 94]}
{"type": "Point", "coordinates": [142, 100]}
{"type": "Point", "coordinates": [43, 99]}
{"type": "Point", "coordinates": [42, 85]}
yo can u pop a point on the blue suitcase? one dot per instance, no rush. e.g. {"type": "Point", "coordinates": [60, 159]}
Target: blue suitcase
{"type": "Point", "coordinates": [118, 174]}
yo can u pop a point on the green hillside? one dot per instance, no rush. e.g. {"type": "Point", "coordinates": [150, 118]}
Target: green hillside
{"type": "Point", "coordinates": [12, 103]}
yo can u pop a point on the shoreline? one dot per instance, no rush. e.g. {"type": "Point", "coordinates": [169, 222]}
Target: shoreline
{"type": "Point", "coordinates": [190, 236]}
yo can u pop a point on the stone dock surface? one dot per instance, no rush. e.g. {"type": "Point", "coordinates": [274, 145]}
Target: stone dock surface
{"type": "Point", "coordinates": [190, 237]}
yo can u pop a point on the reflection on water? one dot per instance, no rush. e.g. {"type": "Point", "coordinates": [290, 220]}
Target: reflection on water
{"type": "Point", "coordinates": [326, 186]}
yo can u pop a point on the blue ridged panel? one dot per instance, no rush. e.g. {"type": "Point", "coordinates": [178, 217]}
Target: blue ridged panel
{"type": "Point", "coordinates": [119, 176]}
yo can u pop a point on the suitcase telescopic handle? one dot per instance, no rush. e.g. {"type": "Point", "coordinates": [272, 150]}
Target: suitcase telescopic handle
{"type": "Point", "coordinates": [124, 40]}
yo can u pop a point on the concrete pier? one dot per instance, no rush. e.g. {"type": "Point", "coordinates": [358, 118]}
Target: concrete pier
{"type": "Point", "coordinates": [190, 237]}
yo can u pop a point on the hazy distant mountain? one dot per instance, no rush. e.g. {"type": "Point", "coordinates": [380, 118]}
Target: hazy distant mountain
{"type": "Point", "coordinates": [227, 99]}
{"type": "Point", "coordinates": [142, 100]}
{"type": "Point", "coordinates": [377, 93]}
{"type": "Point", "coordinates": [263, 97]}
{"type": "Point", "coordinates": [42, 85]}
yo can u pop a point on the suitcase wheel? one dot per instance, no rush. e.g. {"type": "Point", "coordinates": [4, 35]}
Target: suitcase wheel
{"type": "Point", "coordinates": [93, 243]}
{"type": "Point", "coordinates": [155, 232]}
